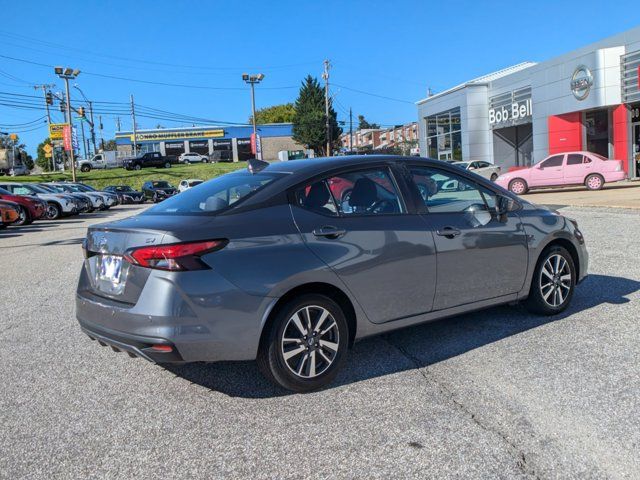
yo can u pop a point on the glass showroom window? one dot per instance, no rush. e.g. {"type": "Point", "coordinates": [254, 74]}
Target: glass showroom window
{"type": "Point", "coordinates": [444, 136]}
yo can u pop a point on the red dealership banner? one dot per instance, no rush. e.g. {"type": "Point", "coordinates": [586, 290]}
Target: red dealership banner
{"type": "Point", "coordinates": [66, 137]}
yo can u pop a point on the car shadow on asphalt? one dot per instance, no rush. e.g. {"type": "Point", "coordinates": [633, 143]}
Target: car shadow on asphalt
{"type": "Point", "coordinates": [428, 343]}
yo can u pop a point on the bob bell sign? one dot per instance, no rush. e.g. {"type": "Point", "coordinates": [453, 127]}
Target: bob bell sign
{"type": "Point", "coordinates": [514, 114]}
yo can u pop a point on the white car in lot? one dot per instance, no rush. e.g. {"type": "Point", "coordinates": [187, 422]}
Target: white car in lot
{"type": "Point", "coordinates": [484, 169]}
{"type": "Point", "coordinates": [189, 183]}
{"type": "Point", "coordinates": [193, 157]}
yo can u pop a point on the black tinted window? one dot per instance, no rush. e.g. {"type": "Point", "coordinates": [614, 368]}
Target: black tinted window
{"type": "Point", "coordinates": [217, 194]}
{"type": "Point", "coordinates": [575, 159]}
{"type": "Point", "coordinates": [555, 161]}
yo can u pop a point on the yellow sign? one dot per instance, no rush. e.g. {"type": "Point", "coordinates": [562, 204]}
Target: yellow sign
{"type": "Point", "coordinates": [55, 130]}
{"type": "Point", "coordinates": [185, 134]}
{"type": "Point", "coordinates": [47, 148]}
{"type": "Point", "coordinates": [13, 136]}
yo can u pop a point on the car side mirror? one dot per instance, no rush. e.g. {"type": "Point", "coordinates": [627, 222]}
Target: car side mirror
{"type": "Point", "coordinates": [505, 205]}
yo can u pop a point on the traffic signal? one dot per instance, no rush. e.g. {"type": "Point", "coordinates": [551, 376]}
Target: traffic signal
{"type": "Point", "coordinates": [49, 98]}
{"type": "Point", "coordinates": [63, 107]}
{"type": "Point", "coordinates": [81, 112]}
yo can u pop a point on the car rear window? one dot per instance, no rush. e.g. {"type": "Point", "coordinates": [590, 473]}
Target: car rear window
{"type": "Point", "coordinates": [215, 195]}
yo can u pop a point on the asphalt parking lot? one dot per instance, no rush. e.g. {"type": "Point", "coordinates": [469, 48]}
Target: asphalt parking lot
{"type": "Point", "coordinates": [495, 394]}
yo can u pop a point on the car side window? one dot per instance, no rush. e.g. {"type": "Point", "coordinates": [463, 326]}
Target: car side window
{"type": "Point", "coordinates": [555, 161]}
{"type": "Point", "coordinates": [317, 198]}
{"type": "Point", "coordinates": [21, 190]}
{"type": "Point", "coordinates": [575, 159]}
{"type": "Point", "coordinates": [366, 192]}
{"type": "Point", "coordinates": [446, 192]}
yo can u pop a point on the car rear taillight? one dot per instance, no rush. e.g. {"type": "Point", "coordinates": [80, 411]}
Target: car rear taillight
{"type": "Point", "coordinates": [174, 257]}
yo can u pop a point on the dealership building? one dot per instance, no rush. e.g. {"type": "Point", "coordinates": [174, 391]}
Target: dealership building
{"type": "Point", "coordinates": [588, 99]}
{"type": "Point", "coordinates": [225, 143]}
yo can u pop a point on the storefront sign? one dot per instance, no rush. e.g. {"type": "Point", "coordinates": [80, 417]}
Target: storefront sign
{"type": "Point", "coordinates": [55, 130]}
{"type": "Point", "coordinates": [517, 112]}
{"type": "Point", "coordinates": [185, 134]}
{"type": "Point", "coordinates": [511, 108]}
{"type": "Point", "coordinates": [581, 82]}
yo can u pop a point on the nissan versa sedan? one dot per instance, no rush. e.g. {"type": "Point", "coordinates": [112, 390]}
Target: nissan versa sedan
{"type": "Point", "coordinates": [289, 263]}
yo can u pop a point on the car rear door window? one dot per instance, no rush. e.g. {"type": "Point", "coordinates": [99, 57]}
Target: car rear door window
{"type": "Point", "coordinates": [445, 192]}
{"type": "Point", "coordinates": [317, 198]}
{"type": "Point", "coordinates": [575, 159]}
{"type": "Point", "coordinates": [366, 192]}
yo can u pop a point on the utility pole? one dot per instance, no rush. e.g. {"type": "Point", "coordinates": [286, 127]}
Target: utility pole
{"type": "Point", "coordinates": [118, 124]}
{"type": "Point", "coordinates": [350, 130]}
{"type": "Point", "coordinates": [135, 135]}
{"type": "Point", "coordinates": [325, 76]}
{"type": "Point", "coordinates": [252, 80]}
{"type": "Point", "coordinates": [93, 131]}
{"type": "Point", "coordinates": [67, 74]}
{"type": "Point", "coordinates": [84, 142]}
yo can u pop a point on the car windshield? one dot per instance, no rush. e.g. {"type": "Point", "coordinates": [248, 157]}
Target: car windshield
{"type": "Point", "coordinates": [121, 188]}
{"type": "Point", "coordinates": [161, 185]}
{"type": "Point", "coordinates": [84, 188]}
{"type": "Point", "coordinates": [461, 164]}
{"type": "Point", "coordinates": [70, 188]}
{"type": "Point", "coordinates": [4, 192]}
{"type": "Point", "coordinates": [36, 188]}
{"type": "Point", "coordinates": [195, 182]}
{"type": "Point", "coordinates": [217, 194]}
{"type": "Point", "coordinates": [52, 188]}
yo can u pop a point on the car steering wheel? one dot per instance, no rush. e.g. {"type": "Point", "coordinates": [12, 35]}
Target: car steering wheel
{"type": "Point", "coordinates": [378, 205]}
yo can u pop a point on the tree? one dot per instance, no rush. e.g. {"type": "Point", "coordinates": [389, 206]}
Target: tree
{"type": "Point", "coordinates": [43, 161]}
{"type": "Point", "coordinates": [109, 145]}
{"type": "Point", "coordinates": [309, 121]}
{"type": "Point", "coordinates": [275, 114]}
{"type": "Point", "coordinates": [363, 124]}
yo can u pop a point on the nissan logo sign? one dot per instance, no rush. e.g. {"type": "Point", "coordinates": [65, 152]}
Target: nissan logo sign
{"type": "Point", "coordinates": [581, 82]}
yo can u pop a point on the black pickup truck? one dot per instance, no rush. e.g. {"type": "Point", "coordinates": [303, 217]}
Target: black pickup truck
{"type": "Point", "coordinates": [149, 159]}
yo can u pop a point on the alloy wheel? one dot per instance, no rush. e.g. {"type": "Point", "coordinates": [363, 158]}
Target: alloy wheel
{"type": "Point", "coordinates": [517, 187]}
{"type": "Point", "coordinates": [555, 280]}
{"type": "Point", "coordinates": [594, 182]}
{"type": "Point", "coordinates": [310, 341]}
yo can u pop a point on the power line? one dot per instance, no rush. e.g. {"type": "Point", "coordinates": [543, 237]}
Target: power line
{"type": "Point", "coordinates": [374, 94]}
{"type": "Point", "coordinates": [23, 124]}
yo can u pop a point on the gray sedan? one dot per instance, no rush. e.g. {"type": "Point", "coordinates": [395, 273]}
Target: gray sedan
{"type": "Point", "coordinates": [290, 263]}
{"type": "Point", "coordinates": [484, 169]}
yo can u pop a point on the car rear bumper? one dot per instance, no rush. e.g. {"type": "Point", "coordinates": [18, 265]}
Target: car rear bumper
{"type": "Point", "coordinates": [204, 317]}
{"type": "Point", "coordinates": [614, 176]}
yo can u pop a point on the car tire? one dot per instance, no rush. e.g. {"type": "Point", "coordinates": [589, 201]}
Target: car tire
{"type": "Point", "coordinates": [53, 211]}
{"type": "Point", "coordinates": [85, 168]}
{"type": "Point", "coordinates": [518, 186]}
{"type": "Point", "coordinates": [494, 177]}
{"type": "Point", "coordinates": [167, 165]}
{"type": "Point", "coordinates": [186, 162]}
{"type": "Point", "coordinates": [553, 282]}
{"type": "Point", "coordinates": [137, 167]}
{"type": "Point", "coordinates": [594, 182]}
{"type": "Point", "coordinates": [24, 217]}
{"type": "Point", "coordinates": [204, 160]}
{"type": "Point", "coordinates": [299, 362]}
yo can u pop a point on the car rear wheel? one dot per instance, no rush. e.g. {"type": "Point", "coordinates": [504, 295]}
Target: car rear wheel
{"type": "Point", "coordinates": [518, 186]}
{"type": "Point", "coordinates": [53, 211]}
{"type": "Point", "coordinates": [204, 160]}
{"type": "Point", "coordinates": [186, 162]}
{"type": "Point", "coordinates": [137, 167]}
{"type": "Point", "coordinates": [85, 168]}
{"type": "Point", "coordinates": [167, 165]}
{"type": "Point", "coordinates": [305, 344]}
{"type": "Point", "coordinates": [553, 282]}
{"type": "Point", "coordinates": [594, 182]}
{"type": "Point", "coordinates": [23, 216]}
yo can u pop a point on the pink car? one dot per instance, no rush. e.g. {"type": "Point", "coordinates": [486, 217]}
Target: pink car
{"type": "Point", "coordinates": [570, 168]}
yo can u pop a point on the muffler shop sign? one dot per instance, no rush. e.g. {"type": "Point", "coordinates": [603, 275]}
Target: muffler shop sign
{"type": "Point", "coordinates": [66, 137]}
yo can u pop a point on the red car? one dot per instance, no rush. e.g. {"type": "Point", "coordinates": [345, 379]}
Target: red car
{"type": "Point", "coordinates": [30, 208]}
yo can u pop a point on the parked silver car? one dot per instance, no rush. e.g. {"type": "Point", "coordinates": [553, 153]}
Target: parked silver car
{"type": "Point", "coordinates": [484, 169]}
{"type": "Point", "coordinates": [289, 263]}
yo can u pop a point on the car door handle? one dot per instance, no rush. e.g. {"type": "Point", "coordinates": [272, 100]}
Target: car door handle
{"type": "Point", "coordinates": [329, 232]}
{"type": "Point", "coordinates": [448, 232]}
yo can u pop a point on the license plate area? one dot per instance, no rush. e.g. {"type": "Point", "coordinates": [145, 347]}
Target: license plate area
{"type": "Point", "coordinates": [110, 274]}
{"type": "Point", "coordinates": [110, 268]}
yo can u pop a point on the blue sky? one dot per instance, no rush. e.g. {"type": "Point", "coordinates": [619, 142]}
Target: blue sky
{"type": "Point", "coordinates": [391, 49]}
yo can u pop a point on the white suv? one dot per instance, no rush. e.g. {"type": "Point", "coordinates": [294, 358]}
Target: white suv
{"type": "Point", "coordinates": [193, 157]}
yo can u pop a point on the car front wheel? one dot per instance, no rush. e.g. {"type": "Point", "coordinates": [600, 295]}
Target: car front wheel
{"type": "Point", "coordinates": [137, 167]}
{"type": "Point", "coordinates": [167, 165]}
{"type": "Point", "coordinates": [553, 282]}
{"type": "Point", "coordinates": [305, 344]}
{"type": "Point", "coordinates": [24, 218]}
{"type": "Point", "coordinates": [53, 211]}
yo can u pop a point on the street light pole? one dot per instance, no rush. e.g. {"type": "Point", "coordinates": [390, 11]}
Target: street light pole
{"type": "Point", "coordinates": [325, 76]}
{"type": "Point", "coordinates": [252, 80]}
{"type": "Point", "coordinates": [66, 74]}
